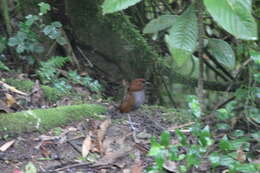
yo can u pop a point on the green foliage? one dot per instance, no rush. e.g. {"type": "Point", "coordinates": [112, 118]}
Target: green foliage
{"type": "Point", "coordinates": [183, 36]}
{"type": "Point", "coordinates": [235, 17]}
{"type": "Point", "coordinates": [164, 150]}
{"type": "Point", "coordinates": [160, 23]}
{"type": "Point", "coordinates": [53, 32]}
{"type": "Point", "coordinates": [94, 85]}
{"type": "Point", "coordinates": [57, 131]}
{"type": "Point", "coordinates": [74, 77]}
{"type": "Point", "coordinates": [48, 72]}
{"type": "Point", "coordinates": [3, 67]}
{"type": "Point", "coordinates": [30, 168]}
{"type": "Point", "coordinates": [194, 106]}
{"type": "Point", "coordinates": [223, 52]}
{"type": "Point", "coordinates": [87, 81]}
{"type": "Point", "coordinates": [2, 44]}
{"type": "Point", "coordinates": [229, 155]}
{"type": "Point", "coordinates": [110, 6]}
{"type": "Point", "coordinates": [44, 8]}
{"type": "Point", "coordinates": [26, 40]}
{"type": "Point", "coordinates": [62, 85]}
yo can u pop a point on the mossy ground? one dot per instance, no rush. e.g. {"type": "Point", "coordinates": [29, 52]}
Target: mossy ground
{"type": "Point", "coordinates": [44, 119]}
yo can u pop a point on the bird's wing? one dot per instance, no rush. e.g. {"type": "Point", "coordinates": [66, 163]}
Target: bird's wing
{"type": "Point", "coordinates": [127, 103]}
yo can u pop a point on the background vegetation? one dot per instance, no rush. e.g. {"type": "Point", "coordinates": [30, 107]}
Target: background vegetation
{"type": "Point", "coordinates": [199, 55]}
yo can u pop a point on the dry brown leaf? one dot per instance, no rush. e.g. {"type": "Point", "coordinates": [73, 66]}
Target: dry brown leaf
{"type": "Point", "coordinates": [180, 126]}
{"type": "Point", "coordinates": [10, 100]}
{"type": "Point", "coordinates": [3, 107]}
{"type": "Point", "coordinates": [7, 145]}
{"type": "Point", "coordinates": [101, 133]}
{"type": "Point", "coordinates": [103, 129]}
{"type": "Point", "coordinates": [138, 167]}
{"type": "Point", "coordinates": [86, 146]}
{"type": "Point", "coordinates": [13, 89]}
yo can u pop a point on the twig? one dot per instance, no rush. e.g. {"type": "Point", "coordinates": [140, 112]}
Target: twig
{"type": "Point", "coordinates": [81, 52]}
{"type": "Point", "coordinates": [219, 65]}
{"type": "Point", "coordinates": [70, 166]}
{"type": "Point", "coordinates": [222, 104]}
{"type": "Point", "coordinates": [54, 44]}
{"type": "Point", "coordinates": [69, 50]}
{"type": "Point", "coordinates": [242, 66]}
{"type": "Point", "coordinates": [169, 94]}
{"type": "Point", "coordinates": [13, 89]}
{"type": "Point", "coordinates": [215, 70]}
{"type": "Point", "coordinates": [167, 6]}
{"type": "Point", "coordinates": [181, 126]}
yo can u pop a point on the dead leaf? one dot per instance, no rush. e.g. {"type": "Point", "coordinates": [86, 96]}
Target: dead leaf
{"type": "Point", "coordinates": [180, 126]}
{"type": "Point", "coordinates": [103, 128]}
{"type": "Point", "coordinates": [4, 108]}
{"type": "Point", "coordinates": [10, 100]}
{"type": "Point", "coordinates": [7, 145]}
{"type": "Point", "coordinates": [101, 133]}
{"type": "Point", "coordinates": [138, 167]}
{"type": "Point", "coordinates": [86, 146]}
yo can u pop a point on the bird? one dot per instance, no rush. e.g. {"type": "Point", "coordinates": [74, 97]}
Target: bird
{"type": "Point", "coordinates": [135, 96]}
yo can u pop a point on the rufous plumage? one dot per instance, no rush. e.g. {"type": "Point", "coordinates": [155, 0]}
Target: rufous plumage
{"type": "Point", "coordinates": [135, 96]}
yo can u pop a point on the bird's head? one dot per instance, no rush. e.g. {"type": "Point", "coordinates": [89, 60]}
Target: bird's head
{"type": "Point", "coordinates": [137, 85]}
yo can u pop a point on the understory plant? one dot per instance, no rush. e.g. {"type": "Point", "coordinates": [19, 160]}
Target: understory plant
{"type": "Point", "coordinates": [229, 151]}
{"type": "Point", "coordinates": [27, 40]}
{"type": "Point", "coordinates": [49, 73]}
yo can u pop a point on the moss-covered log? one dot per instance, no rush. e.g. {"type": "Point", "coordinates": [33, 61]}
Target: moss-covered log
{"type": "Point", "coordinates": [44, 119]}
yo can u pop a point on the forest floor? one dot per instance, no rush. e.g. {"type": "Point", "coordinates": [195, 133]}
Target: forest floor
{"type": "Point", "coordinates": [118, 143]}
{"type": "Point", "coordinates": [114, 143]}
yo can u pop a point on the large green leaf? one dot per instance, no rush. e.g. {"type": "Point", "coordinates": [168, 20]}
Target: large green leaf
{"type": "Point", "coordinates": [160, 23]}
{"type": "Point", "coordinates": [110, 6]}
{"type": "Point", "coordinates": [222, 51]}
{"type": "Point", "coordinates": [234, 16]}
{"type": "Point", "coordinates": [183, 36]}
{"type": "Point", "coordinates": [245, 3]}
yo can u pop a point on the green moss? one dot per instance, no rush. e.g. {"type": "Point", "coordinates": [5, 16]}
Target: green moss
{"type": "Point", "coordinates": [50, 94]}
{"type": "Point", "coordinates": [23, 85]}
{"type": "Point", "coordinates": [44, 119]}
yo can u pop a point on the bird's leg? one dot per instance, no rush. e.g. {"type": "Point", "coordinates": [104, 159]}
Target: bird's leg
{"type": "Point", "coordinates": [131, 123]}
{"type": "Point", "coordinates": [132, 127]}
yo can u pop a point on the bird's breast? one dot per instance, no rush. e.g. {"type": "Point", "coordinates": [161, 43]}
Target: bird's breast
{"type": "Point", "coordinates": [139, 98]}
